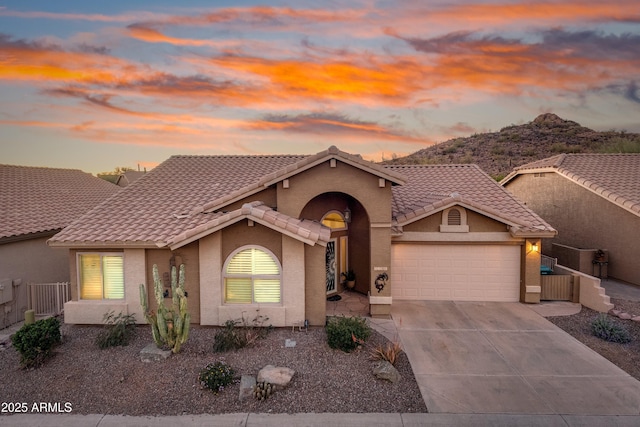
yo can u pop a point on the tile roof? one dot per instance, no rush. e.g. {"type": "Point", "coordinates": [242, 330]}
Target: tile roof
{"type": "Point", "coordinates": [35, 199]}
{"type": "Point", "coordinates": [158, 206]}
{"type": "Point", "coordinates": [181, 198]}
{"type": "Point", "coordinates": [432, 188]}
{"type": "Point", "coordinates": [310, 232]}
{"type": "Point", "coordinates": [615, 177]}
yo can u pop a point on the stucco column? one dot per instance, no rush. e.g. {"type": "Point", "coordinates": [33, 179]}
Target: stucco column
{"type": "Point", "coordinates": [134, 275]}
{"type": "Point", "coordinates": [293, 282]}
{"type": "Point", "coordinates": [380, 299]}
{"type": "Point", "coordinates": [530, 287]}
{"type": "Point", "coordinates": [210, 279]}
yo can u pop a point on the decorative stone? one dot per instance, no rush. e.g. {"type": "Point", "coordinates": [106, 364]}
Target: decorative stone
{"type": "Point", "coordinates": [247, 383]}
{"type": "Point", "coordinates": [636, 318]}
{"type": "Point", "coordinates": [280, 376]}
{"type": "Point", "coordinates": [384, 370]}
{"type": "Point", "coordinates": [615, 312]}
{"type": "Point", "coordinates": [289, 343]}
{"type": "Point", "coordinates": [152, 353]}
{"type": "Point", "coordinates": [625, 316]}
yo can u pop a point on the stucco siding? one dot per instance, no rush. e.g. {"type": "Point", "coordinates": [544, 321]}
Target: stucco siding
{"type": "Point", "coordinates": [583, 220]}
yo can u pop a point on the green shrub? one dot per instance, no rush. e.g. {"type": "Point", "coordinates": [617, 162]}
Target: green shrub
{"type": "Point", "coordinates": [347, 333]}
{"type": "Point", "coordinates": [216, 376]}
{"type": "Point", "coordinates": [240, 333]}
{"type": "Point", "coordinates": [36, 341]}
{"type": "Point", "coordinates": [604, 328]}
{"type": "Point", "coordinates": [117, 331]}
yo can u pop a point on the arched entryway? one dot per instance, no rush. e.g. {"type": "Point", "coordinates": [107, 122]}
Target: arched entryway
{"type": "Point", "coordinates": [350, 245]}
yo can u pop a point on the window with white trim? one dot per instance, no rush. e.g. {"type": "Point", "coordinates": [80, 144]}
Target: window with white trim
{"type": "Point", "coordinates": [252, 275]}
{"type": "Point", "coordinates": [101, 276]}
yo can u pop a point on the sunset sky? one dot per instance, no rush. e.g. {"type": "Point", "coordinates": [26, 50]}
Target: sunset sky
{"type": "Point", "coordinates": [95, 85]}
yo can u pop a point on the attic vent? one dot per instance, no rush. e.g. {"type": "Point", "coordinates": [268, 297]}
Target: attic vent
{"type": "Point", "coordinates": [454, 217]}
{"type": "Point", "coordinates": [539, 175]}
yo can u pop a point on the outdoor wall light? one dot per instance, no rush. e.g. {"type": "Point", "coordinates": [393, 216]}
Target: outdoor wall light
{"type": "Point", "coordinates": [347, 214]}
{"type": "Point", "coordinates": [535, 247]}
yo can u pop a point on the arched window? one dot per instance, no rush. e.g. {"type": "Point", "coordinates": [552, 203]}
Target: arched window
{"type": "Point", "coordinates": [454, 217]}
{"type": "Point", "coordinates": [334, 220]}
{"type": "Point", "coordinates": [252, 275]}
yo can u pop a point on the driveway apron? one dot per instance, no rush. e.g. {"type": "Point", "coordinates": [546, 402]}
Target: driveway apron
{"type": "Point", "coordinates": [490, 357]}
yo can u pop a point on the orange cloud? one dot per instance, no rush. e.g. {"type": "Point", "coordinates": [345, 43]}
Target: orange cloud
{"type": "Point", "coordinates": [390, 82]}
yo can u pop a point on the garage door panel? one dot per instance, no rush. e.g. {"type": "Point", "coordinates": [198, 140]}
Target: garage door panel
{"type": "Point", "coordinates": [456, 272]}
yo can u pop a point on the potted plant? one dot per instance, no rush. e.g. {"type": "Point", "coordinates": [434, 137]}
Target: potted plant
{"type": "Point", "coordinates": [349, 279]}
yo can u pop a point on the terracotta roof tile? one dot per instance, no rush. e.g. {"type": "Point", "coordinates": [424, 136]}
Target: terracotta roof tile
{"type": "Point", "coordinates": [430, 188]}
{"type": "Point", "coordinates": [615, 177]}
{"type": "Point", "coordinates": [180, 197]}
{"type": "Point", "coordinates": [35, 199]}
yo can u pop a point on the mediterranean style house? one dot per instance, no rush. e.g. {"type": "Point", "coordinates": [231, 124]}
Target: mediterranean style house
{"type": "Point", "coordinates": [275, 234]}
{"type": "Point", "coordinates": [593, 200]}
{"type": "Point", "coordinates": [35, 204]}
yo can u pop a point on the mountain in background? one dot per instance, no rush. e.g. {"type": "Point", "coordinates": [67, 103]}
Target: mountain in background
{"type": "Point", "coordinates": [497, 153]}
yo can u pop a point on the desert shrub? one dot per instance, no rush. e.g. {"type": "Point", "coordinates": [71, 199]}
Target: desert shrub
{"type": "Point", "coordinates": [216, 376]}
{"type": "Point", "coordinates": [390, 352]}
{"type": "Point", "coordinates": [36, 341]}
{"type": "Point", "coordinates": [240, 333]}
{"type": "Point", "coordinates": [117, 331]}
{"type": "Point", "coordinates": [604, 328]}
{"type": "Point", "coordinates": [347, 333]}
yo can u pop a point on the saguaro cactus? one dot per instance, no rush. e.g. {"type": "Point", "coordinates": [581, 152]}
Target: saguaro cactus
{"type": "Point", "coordinates": [169, 326]}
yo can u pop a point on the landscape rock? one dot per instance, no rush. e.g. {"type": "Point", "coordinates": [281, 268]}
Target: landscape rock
{"type": "Point", "coordinates": [280, 376]}
{"type": "Point", "coordinates": [385, 371]}
{"type": "Point", "coordinates": [247, 383]}
{"type": "Point", "coordinates": [625, 316]}
{"type": "Point", "coordinates": [636, 319]}
{"type": "Point", "coordinates": [615, 312]}
{"type": "Point", "coordinates": [151, 353]}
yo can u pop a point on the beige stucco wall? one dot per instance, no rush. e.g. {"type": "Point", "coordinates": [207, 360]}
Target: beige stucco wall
{"type": "Point", "coordinates": [477, 223]}
{"type": "Point", "coordinates": [369, 243]}
{"type": "Point", "coordinates": [92, 312]}
{"type": "Point", "coordinates": [29, 261]}
{"type": "Point", "coordinates": [187, 255]}
{"type": "Point", "coordinates": [583, 220]}
{"type": "Point", "coordinates": [215, 249]}
{"type": "Point", "coordinates": [315, 292]}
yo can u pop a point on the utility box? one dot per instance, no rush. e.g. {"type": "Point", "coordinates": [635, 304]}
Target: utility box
{"type": "Point", "coordinates": [6, 290]}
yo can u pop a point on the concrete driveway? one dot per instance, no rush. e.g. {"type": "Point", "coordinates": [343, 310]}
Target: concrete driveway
{"type": "Point", "coordinates": [504, 358]}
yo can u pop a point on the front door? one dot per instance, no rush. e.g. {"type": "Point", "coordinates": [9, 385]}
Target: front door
{"type": "Point", "coordinates": [330, 267]}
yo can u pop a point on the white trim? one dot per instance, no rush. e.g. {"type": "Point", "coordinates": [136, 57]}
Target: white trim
{"type": "Point", "coordinates": [79, 280]}
{"type": "Point", "coordinates": [269, 276]}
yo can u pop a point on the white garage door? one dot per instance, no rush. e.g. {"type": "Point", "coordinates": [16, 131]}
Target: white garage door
{"type": "Point", "coordinates": [455, 272]}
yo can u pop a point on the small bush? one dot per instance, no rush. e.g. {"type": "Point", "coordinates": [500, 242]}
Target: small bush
{"type": "Point", "coordinates": [216, 376]}
{"type": "Point", "coordinates": [240, 333]}
{"type": "Point", "coordinates": [347, 333]}
{"type": "Point", "coordinates": [602, 327]}
{"type": "Point", "coordinates": [390, 352]}
{"type": "Point", "coordinates": [118, 330]}
{"type": "Point", "coordinates": [36, 341]}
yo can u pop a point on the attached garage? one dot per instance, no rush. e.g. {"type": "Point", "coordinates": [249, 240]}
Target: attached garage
{"type": "Point", "coordinates": [455, 272]}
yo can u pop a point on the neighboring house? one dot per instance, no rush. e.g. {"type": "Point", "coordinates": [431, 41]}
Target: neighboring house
{"type": "Point", "coordinates": [128, 177]}
{"type": "Point", "coordinates": [274, 233]}
{"type": "Point", "coordinates": [35, 204]}
{"type": "Point", "coordinates": [593, 200]}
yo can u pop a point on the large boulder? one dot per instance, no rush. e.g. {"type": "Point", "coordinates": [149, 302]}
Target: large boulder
{"type": "Point", "coordinates": [277, 375]}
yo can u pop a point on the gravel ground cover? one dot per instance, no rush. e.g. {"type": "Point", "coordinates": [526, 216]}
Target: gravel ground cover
{"type": "Point", "coordinates": [116, 381]}
{"type": "Point", "coordinates": [625, 356]}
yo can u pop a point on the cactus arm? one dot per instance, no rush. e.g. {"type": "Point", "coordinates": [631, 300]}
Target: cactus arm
{"type": "Point", "coordinates": [185, 328]}
{"type": "Point", "coordinates": [174, 286]}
